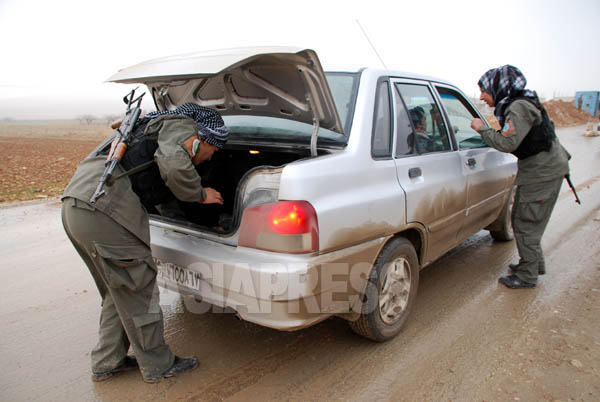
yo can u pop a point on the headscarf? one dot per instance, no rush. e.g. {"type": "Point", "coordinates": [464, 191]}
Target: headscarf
{"type": "Point", "coordinates": [211, 127]}
{"type": "Point", "coordinates": [505, 84]}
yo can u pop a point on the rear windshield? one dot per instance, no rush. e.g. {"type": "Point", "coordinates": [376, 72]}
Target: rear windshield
{"type": "Point", "coordinates": [343, 88]}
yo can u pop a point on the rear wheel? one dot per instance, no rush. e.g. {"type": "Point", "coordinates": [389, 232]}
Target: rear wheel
{"type": "Point", "coordinates": [390, 292]}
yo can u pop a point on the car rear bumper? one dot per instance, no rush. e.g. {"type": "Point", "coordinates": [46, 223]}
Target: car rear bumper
{"type": "Point", "coordinates": [281, 291]}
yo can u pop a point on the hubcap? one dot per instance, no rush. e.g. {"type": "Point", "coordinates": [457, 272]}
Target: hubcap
{"type": "Point", "coordinates": [393, 294]}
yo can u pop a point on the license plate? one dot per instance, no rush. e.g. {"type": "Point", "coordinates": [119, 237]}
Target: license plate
{"type": "Point", "coordinates": [182, 276]}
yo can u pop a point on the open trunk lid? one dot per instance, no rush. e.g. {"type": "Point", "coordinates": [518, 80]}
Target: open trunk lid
{"type": "Point", "coordinates": [280, 82]}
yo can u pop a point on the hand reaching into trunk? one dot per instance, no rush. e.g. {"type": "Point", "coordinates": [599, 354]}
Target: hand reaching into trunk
{"type": "Point", "coordinates": [212, 196]}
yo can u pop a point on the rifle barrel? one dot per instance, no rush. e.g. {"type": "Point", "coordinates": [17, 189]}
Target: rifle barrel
{"type": "Point", "coordinates": [568, 177]}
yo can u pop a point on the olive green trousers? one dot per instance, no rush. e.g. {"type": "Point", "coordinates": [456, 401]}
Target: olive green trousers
{"type": "Point", "coordinates": [530, 215]}
{"type": "Point", "coordinates": [125, 275]}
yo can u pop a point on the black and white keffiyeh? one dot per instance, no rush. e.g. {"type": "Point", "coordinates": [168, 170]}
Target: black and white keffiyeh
{"type": "Point", "coordinates": [211, 127]}
{"type": "Point", "coordinates": [505, 84]}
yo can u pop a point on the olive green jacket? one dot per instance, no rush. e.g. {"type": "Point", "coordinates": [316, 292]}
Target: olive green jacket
{"type": "Point", "coordinates": [521, 115]}
{"type": "Point", "coordinates": [175, 166]}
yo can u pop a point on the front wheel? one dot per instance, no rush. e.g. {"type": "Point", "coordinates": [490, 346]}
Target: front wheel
{"type": "Point", "coordinates": [390, 292]}
{"type": "Point", "coordinates": [501, 229]}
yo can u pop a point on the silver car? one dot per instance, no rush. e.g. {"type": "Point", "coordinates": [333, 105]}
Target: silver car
{"type": "Point", "coordinates": [339, 187]}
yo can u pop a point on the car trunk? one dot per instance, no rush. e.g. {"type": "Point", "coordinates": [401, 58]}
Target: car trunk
{"type": "Point", "coordinates": [244, 175]}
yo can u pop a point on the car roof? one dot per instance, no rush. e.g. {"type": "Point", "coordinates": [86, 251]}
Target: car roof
{"type": "Point", "coordinates": [395, 74]}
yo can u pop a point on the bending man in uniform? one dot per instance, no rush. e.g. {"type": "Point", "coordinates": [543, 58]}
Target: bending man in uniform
{"type": "Point", "coordinates": [527, 132]}
{"type": "Point", "coordinates": [113, 236]}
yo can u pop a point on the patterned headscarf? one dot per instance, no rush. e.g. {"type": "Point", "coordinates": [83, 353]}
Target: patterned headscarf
{"type": "Point", "coordinates": [505, 84]}
{"type": "Point", "coordinates": [211, 127]}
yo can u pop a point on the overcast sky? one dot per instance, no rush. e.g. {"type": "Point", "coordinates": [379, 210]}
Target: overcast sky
{"type": "Point", "coordinates": [57, 54]}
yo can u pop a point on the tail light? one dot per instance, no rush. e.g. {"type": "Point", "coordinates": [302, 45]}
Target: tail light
{"type": "Point", "coordinates": [283, 226]}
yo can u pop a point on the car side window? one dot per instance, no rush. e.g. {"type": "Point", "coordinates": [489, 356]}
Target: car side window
{"type": "Point", "coordinates": [428, 130]}
{"type": "Point", "coordinates": [460, 114]}
{"type": "Point", "coordinates": [381, 143]}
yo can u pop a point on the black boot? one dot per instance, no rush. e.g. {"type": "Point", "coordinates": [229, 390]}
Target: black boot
{"type": "Point", "coordinates": [180, 365]}
{"type": "Point", "coordinates": [129, 363]}
{"type": "Point", "coordinates": [514, 282]}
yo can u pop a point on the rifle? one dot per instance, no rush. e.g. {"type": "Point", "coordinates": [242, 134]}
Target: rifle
{"type": "Point", "coordinates": [119, 144]}
{"type": "Point", "coordinates": [568, 177]}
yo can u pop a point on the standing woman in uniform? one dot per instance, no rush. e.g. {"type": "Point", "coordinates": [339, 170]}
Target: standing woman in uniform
{"type": "Point", "coordinates": [526, 132]}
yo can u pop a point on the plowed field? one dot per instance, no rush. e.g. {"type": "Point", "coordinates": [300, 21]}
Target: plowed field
{"type": "Point", "coordinates": [37, 159]}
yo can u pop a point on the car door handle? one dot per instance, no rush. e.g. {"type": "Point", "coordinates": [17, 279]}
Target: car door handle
{"type": "Point", "coordinates": [471, 162]}
{"type": "Point", "coordinates": [414, 172]}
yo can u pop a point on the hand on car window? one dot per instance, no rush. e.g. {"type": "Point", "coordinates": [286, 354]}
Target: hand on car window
{"type": "Point", "coordinates": [477, 124]}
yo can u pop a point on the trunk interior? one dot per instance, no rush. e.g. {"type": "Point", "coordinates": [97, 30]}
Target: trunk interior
{"type": "Point", "coordinates": [229, 172]}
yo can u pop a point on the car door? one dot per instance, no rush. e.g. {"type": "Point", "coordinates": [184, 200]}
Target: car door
{"type": "Point", "coordinates": [428, 168]}
{"type": "Point", "coordinates": [487, 170]}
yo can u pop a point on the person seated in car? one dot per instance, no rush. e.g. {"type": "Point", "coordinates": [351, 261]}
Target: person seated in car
{"type": "Point", "coordinates": [419, 142]}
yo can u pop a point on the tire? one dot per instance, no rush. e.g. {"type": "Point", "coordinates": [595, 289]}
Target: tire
{"type": "Point", "coordinates": [390, 292]}
{"type": "Point", "coordinates": [502, 227]}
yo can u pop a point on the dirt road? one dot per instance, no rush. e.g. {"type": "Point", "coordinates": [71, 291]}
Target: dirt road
{"type": "Point", "coordinates": [468, 338]}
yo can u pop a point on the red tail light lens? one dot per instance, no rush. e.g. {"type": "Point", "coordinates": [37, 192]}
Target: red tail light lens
{"type": "Point", "coordinates": [288, 218]}
{"type": "Point", "coordinates": [284, 226]}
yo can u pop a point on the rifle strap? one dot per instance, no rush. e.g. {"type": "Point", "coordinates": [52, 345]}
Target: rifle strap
{"type": "Point", "coordinates": [134, 170]}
